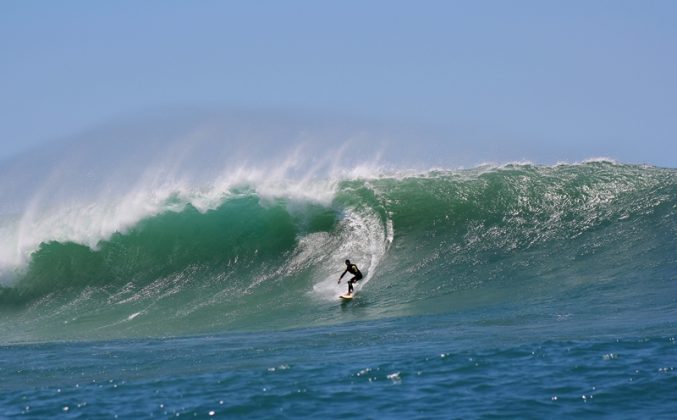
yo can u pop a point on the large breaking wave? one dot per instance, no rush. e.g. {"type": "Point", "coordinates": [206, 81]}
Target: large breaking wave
{"type": "Point", "coordinates": [247, 256]}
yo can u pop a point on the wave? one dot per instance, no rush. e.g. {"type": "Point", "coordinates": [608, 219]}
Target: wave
{"type": "Point", "coordinates": [240, 256]}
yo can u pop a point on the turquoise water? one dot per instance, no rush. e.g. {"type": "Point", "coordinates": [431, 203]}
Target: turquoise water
{"type": "Point", "coordinates": [522, 290]}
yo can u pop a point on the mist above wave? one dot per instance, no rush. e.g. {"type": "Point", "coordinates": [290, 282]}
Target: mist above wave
{"type": "Point", "coordinates": [86, 188]}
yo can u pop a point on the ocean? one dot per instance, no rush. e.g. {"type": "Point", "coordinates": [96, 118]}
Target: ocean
{"type": "Point", "coordinates": [515, 290]}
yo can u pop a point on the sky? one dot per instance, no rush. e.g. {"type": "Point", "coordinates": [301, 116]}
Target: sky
{"type": "Point", "coordinates": [533, 80]}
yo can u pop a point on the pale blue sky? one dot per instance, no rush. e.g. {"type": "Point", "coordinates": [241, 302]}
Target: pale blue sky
{"type": "Point", "coordinates": [539, 80]}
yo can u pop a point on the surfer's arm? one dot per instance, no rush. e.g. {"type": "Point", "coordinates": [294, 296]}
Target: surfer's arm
{"type": "Point", "coordinates": [344, 273]}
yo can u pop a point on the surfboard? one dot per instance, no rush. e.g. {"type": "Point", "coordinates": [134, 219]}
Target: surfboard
{"type": "Point", "coordinates": [347, 296]}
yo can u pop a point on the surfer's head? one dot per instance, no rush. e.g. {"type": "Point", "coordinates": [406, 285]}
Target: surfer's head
{"type": "Point", "coordinates": [347, 262]}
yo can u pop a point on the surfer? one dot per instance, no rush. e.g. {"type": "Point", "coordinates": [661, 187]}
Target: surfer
{"type": "Point", "coordinates": [352, 269]}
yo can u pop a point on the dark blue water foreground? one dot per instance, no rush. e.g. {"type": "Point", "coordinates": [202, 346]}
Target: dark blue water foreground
{"type": "Point", "coordinates": [420, 367]}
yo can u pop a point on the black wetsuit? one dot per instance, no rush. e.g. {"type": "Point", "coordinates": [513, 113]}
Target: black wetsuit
{"type": "Point", "coordinates": [352, 269]}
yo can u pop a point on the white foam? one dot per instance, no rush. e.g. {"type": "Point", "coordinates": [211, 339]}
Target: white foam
{"type": "Point", "coordinates": [364, 240]}
{"type": "Point", "coordinates": [134, 315]}
{"type": "Point", "coordinates": [600, 159]}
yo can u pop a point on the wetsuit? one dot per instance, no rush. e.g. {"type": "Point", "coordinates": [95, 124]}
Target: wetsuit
{"type": "Point", "coordinates": [352, 269]}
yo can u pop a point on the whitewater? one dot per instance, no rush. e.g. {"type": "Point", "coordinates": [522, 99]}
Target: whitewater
{"type": "Point", "coordinates": [519, 289]}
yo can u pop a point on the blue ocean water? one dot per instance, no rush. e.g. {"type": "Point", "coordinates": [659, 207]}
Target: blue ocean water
{"type": "Point", "coordinates": [422, 367]}
{"type": "Point", "coordinates": [512, 291]}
